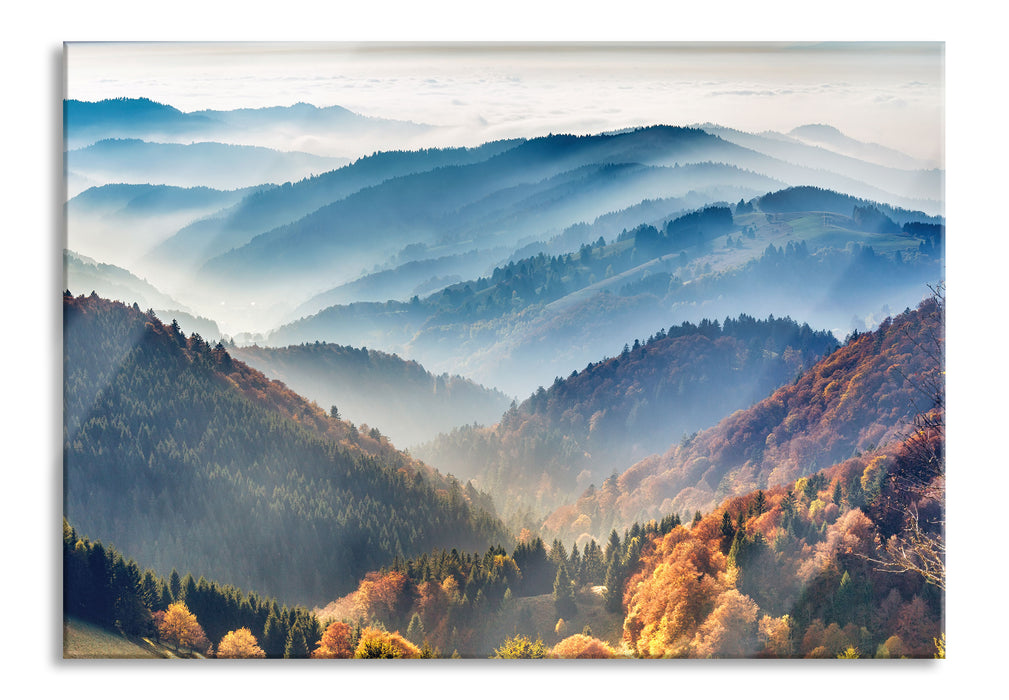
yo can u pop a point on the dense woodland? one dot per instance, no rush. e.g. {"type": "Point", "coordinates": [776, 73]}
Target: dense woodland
{"type": "Point", "coordinates": [846, 561]}
{"type": "Point", "coordinates": [187, 458]}
{"type": "Point", "coordinates": [863, 395]}
{"type": "Point", "coordinates": [817, 568]}
{"type": "Point", "coordinates": [600, 420]}
{"type": "Point", "coordinates": [104, 587]}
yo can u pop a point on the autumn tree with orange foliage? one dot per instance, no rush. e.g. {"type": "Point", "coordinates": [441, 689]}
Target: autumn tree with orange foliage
{"type": "Point", "coordinates": [240, 644]}
{"type": "Point", "coordinates": [180, 627]}
{"type": "Point", "coordinates": [673, 594]}
{"type": "Point", "coordinates": [581, 646]}
{"type": "Point", "coordinates": [336, 642]}
{"type": "Point", "coordinates": [385, 597]}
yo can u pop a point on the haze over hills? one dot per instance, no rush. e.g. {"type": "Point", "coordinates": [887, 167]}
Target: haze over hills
{"type": "Point", "coordinates": [836, 162]}
{"type": "Point", "coordinates": [827, 136]}
{"type": "Point", "coordinates": [455, 206]}
{"type": "Point", "coordinates": [323, 131]}
{"type": "Point", "coordinates": [205, 164]}
{"type": "Point", "coordinates": [599, 420]}
{"type": "Point", "coordinates": [264, 210]}
{"type": "Point", "coordinates": [861, 396]}
{"type": "Point", "coordinates": [557, 372]}
{"type": "Point", "coordinates": [370, 387]}
{"type": "Point", "coordinates": [540, 316]}
{"type": "Point", "coordinates": [88, 276]}
{"type": "Point", "coordinates": [121, 223]}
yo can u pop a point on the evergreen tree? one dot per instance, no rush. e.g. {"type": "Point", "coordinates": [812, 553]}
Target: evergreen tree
{"type": "Point", "coordinates": [175, 585]}
{"type": "Point", "coordinates": [275, 633]}
{"type": "Point", "coordinates": [612, 547]}
{"type": "Point", "coordinates": [614, 597]}
{"type": "Point", "coordinates": [564, 593]}
{"type": "Point", "coordinates": [415, 630]}
{"type": "Point", "coordinates": [728, 532]}
{"type": "Point", "coordinates": [296, 647]}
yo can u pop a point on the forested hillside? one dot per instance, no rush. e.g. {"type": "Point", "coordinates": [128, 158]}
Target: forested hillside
{"type": "Point", "coordinates": [600, 420]}
{"type": "Point", "coordinates": [103, 587]}
{"type": "Point", "coordinates": [847, 562]}
{"type": "Point", "coordinates": [111, 282]}
{"type": "Point", "coordinates": [187, 458]}
{"type": "Point", "coordinates": [558, 178]}
{"type": "Point", "coordinates": [537, 317]}
{"type": "Point", "coordinates": [376, 388]}
{"type": "Point", "coordinates": [863, 395]}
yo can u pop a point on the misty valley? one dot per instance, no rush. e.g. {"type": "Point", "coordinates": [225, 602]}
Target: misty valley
{"type": "Point", "coordinates": [666, 391]}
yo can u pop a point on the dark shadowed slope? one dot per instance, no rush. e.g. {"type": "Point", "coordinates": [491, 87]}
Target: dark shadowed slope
{"type": "Point", "coordinates": [188, 458]}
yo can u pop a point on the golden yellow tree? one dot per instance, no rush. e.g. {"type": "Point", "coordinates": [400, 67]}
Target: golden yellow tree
{"type": "Point", "coordinates": [582, 646]}
{"type": "Point", "coordinates": [521, 647]}
{"type": "Point", "coordinates": [180, 627]}
{"type": "Point", "coordinates": [240, 644]}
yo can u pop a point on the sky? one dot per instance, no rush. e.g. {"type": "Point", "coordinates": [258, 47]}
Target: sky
{"type": "Point", "coordinates": [887, 93]}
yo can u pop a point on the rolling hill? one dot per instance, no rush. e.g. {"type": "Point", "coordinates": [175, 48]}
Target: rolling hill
{"type": "Point", "coordinates": [600, 420]}
{"type": "Point", "coordinates": [205, 164]}
{"type": "Point", "coordinates": [187, 458]}
{"type": "Point", "coordinates": [863, 395]}
{"type": "Point", "coordinates": [535, 318]}
{"type": "Point", "coordinates": [378, 389]}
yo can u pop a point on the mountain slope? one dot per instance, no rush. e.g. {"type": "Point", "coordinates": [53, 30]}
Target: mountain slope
{"type": "Point", "coordinates": [858, 174]}
{"type": "Point", "coordinates": [368, 386]}
{"type": "Point", "coordinates": [110, 282]}
{"type": "Point", "coordinates": [328, 131]}
{"type": "Point", "coordinates": [862, 395]}
{"type": "Point", "coordinates": [605, 417]}
{"type": "Point", "coordinates": [794, 571]}
{"type": "Point", "coordinates": [381, 220]}
{"type": "Point", "coordinates": [535, 318]}
{"type": "Point", "coordinates": [830, 137]}
{"type": "Point", "coordinates": [188, 458]}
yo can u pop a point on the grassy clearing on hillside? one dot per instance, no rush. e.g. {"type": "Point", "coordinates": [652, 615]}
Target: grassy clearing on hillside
{"type": "Point", "coordinates": [535, 616]}
{"type": "Point", "coordinates": [82, 640]}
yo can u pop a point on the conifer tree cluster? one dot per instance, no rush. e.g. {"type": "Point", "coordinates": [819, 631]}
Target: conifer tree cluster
{"type": "Point", "coordinates": [103, 587]}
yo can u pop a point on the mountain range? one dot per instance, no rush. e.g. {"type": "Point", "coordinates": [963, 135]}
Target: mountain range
{"type": "Point", "coordinates": [694, 360]}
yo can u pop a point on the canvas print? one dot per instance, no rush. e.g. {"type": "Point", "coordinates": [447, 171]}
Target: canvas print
{"type": "Point", "coordinates": [495, 351]}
